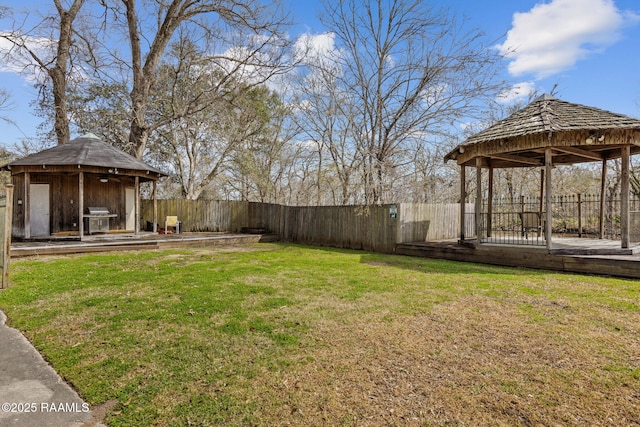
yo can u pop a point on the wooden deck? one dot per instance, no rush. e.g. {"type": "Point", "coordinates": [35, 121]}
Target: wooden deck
{"type": "Point", "coordinates": [587, 256]}
{"type": "Point", "coordinates": [143, 241]}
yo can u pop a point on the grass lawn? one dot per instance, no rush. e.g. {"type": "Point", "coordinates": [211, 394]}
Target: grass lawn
{"type": "Point", "coordinates": [276, 334]}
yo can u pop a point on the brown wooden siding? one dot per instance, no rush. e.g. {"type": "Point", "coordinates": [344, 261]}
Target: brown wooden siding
{"type": "Point", "coordinates": [109, 194]}
{"type": "Point", "coordinates": [63, 196]}
{"type": "Point", "coordinates": [18, 206]}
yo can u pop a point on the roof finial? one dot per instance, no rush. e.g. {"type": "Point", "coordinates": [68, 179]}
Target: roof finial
{"type": "Point", "coordinates": [90, 135]}
{"type": "Point", "coordinates": [545, 97]}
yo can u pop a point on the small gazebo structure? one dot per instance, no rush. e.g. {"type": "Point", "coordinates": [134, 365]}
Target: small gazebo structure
{"type": "Point", "coordinates": [81, 187]}
{"type": "Point", "coordinates": [545, 133]}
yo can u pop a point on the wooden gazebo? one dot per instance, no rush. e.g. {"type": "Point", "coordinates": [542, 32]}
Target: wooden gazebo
{"type": "Point", "coordinates": [545, 133]}
{"type": "Point", "coordinates": [61, 190]}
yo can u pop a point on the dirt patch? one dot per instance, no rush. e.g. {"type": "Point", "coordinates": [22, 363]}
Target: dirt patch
{"type": "Point", "coordinates": [239, 248]}
{"type": "Point", "coordinates": [169, 257]}
{"type": "Point", "coordinates": [376, 263]}
{"type": "Point", "coordinates": [100, 413]}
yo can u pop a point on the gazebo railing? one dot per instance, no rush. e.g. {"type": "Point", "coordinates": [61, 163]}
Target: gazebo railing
{"type": "Point", "coordinates": [521, 221]}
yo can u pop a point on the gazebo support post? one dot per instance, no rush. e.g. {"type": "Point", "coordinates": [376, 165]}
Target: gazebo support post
{"type": "Point", "coordinates": [548, 164]}
{"type": "Point", "coordinates": [540, 205]}
{"type": "Point", "coordinates": [81, 205]}
{"type": "Point", "coordinates": [603, 186]}
{"type": "Point", "coordinates": [624, 202]}
{"type": "Point", "coordinates": [137, 206]}
{"type": "Point", "coordinates": [478, 207]}
{"type": "Point", "coordinates": [490, 202]}
{"type": "Point", "coordinates": [463, 200]}
{"type": "Point", "coordinates": [27, 205]}
{"type": "Point", "coordinates": [155, 207]}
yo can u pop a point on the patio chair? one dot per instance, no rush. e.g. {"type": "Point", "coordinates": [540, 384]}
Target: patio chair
{"type": "Point", "coordinates": [530, 221]}
{"type": "Point", "coordinates": [172, 221]}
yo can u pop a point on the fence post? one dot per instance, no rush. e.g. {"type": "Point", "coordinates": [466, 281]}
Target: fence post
{"type": "Point", "coordinates": [579, 215]}
{"type": "Point", "coordinates": [8, 227]}
{"type": "Point", "coordinates": [521, 213]}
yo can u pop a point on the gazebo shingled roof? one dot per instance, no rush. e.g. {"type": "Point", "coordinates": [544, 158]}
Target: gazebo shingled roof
{"type": "Point", "coordinates": [87, 150]}
{"type": "Point", "coordinates": [577, 132]}
{"type": "Point", "coordinates": [53, 186]}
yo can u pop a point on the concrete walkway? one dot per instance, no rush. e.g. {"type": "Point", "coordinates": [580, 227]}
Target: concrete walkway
{"type": "Point", "coordinates": [31, 392]}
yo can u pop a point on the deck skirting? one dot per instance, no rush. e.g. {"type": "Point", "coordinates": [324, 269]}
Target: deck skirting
{"type": "Point", "coordinates": [617, 264]}
{"type": "Point", "coordinates": [149, 242]}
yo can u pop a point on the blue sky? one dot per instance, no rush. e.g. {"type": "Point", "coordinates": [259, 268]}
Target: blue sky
{"type": "Point", "coordinates": [589, 48]}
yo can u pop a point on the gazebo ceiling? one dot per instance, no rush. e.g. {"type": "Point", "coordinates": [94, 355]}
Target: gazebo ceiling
{"type": "Point", "coordinates": [576, 134]}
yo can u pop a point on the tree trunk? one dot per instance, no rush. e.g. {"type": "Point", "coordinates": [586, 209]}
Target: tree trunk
{"type": "Point", "coordinates": [58, 73]}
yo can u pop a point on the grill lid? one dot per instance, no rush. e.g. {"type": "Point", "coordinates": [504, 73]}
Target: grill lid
{"type": "Point", "coordinates": [98, 211]}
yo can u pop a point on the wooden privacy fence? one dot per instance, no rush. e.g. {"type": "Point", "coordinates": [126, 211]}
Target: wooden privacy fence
{"type": "Point", "coordinates": [433, 222]}
{"type": "Point", "coordinates": [377, 228]}
{"type": "Point", "coordinates": [354, 227]}
{"type": "Point", "coordinates": [198, 215]}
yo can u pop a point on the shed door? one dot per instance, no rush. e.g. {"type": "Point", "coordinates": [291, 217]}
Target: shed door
{"type": "Point", "coordinates": [39, 210]}
{"type": "Point", "coordinates": [130, 207]}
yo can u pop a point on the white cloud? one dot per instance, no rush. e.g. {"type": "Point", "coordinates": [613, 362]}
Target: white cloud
{"type": "Point", "coordinates": [315, 48]}
{"type": "Point", "coordinates": [319, 60]}
{"type": "Point", "coordinates": [14, 59]}
{"type": "Point", "coordinates": [517, 92]}
{"type": "Point", "coordinates": [553, 36]}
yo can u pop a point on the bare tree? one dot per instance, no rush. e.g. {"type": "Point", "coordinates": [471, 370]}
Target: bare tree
{"type": "Point", "coordinates": [324, 119]}
{"type": "Point", "coordinates": [250, 32]}
{"type": "Point", "coordinates": [101, 108]}
{"type": "Point", "coordinates": [406, 70]}
{"type": "Point", "coordinates": [55, 60]}
{"type": "Point", "coordinates": [199, 141]}
{"type": "Point", "coordinates": [5, 104]}
{"type": "Point", "coordinates": [259, 165]}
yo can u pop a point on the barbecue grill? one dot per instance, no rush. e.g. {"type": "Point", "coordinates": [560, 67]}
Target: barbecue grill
{"type": "Point", "coordinates": [98, 219]}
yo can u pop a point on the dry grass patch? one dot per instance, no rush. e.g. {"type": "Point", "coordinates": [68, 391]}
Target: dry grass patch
{"type": "Point", "coordinates": [473, 361]}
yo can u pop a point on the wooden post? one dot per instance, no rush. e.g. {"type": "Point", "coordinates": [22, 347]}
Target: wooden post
{"type": "Point", "coordinates": [603, 186]}
{"type": "Point", "coordinates": [624, 202]}
{"type": "Point", "coordinates": [26, 204]}
{"type": "Point", "coordinates": [490, 203]}
{"type": "Point", "coordinates": [541, 205]}
{"type": "Point", "coordinates": [463, 200]}
{"type": "Point", "coordinates": [579, 215]}
{"type": "Point", "coordinates": [81, 205]}
{"type": "Point", "coordinates": [548, 164]}
{"type": "Point", "coordinates": [8, 229]}
{"type": "Point", "coordinates": [137, 206]}
{"type": "Point", "coordinates": [522, 214]}
{"type": "Point", "coordinates": [478, 208]}
{"type": "Point", "coordinates": [155, 207]}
